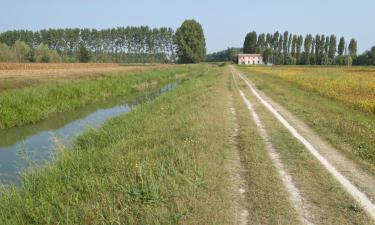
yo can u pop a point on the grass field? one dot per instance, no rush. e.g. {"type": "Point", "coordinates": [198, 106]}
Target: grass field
{"type": "Point", "coordinates": [353, 86]}
{"type": "Point", "coordinates": [32, 104]}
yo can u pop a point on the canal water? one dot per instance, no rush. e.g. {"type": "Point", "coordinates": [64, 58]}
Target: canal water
{"type": "Point", "coordinates": [26, 146]}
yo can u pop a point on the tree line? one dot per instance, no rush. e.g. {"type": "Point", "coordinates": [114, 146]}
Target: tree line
{"type": "Point", "coordinates": [123, 44]}
{"type": "Point", "coordinates": [229, 54]}
{"type": "Point", "coordinates": [291, 49]}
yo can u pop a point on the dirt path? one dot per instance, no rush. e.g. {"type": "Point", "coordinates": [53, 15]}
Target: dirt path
{"type": "Point", "coordinates": [356, 182]}
{"type": "Point", "coordinates": [236, 170]}
{"type": "Point", "coordinates": [294, 193]}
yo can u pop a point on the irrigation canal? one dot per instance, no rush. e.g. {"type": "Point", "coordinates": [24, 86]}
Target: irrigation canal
{"type": "Point", "coordinates": [31, 145]}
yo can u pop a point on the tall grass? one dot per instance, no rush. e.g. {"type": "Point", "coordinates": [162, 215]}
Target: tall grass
{"type": "Point", "coordinates": [160, 164]}
{"type": "Point", "coordinates": [30, 105]}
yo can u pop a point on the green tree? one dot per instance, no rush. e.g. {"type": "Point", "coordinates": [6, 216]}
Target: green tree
{"type": "Point", "coordinates": [294, 46]}
{"type": "Point", "coordinates": [21, 50]}
{"type": "Point", "coordinates": [250, 44]}
{"type": "Point", "coordinates": [267, 55]}
{"type": "Point", "coordinates": [353, 48]}
{"type": "Point", "coordinates": [367, 58]}
{"type": "Point", "coordinates": [191, 43]}
{"type": "Point", "coordinates": [341, 46]}
{"type": "Point", "coordinates": [233, 54]}
{"type": "Point", "coordinates": [299, 44]}
{"type": "Point", "coordinates": [42, 53]}
{"type": "Point", "coordinates": [45, 55]}
{"type": "Point", "coordinates": [285, 42]}
{"type": "Point", "coordinates": [307, 48]}
{"type": "Point", "coordinates": [6, 54]}
{"type": "Point", "coordinates": [261, 44]}
{"type": "Point", "coordinates": [83, 54]}
{"type": "Point", "coordinates": [332, 47]}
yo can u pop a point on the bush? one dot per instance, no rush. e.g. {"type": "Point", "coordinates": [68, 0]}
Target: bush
{"type": "Point", "coordinates": [83, 54]}
{"type": "Point", "coordinates": [6, 54]}
{"type": "Point", "coordinates": [21, 51]}
{"type": "Point", "coordinates": [44, 54]}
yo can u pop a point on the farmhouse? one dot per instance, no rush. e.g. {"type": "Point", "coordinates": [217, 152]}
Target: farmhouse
{"type": "Point", "coordinates": [250, 59]}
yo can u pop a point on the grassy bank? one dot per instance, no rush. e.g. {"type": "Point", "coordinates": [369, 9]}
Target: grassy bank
{"type": "Point", "coordinates": [348, 129]}
{"type": "Point", "coordinates": [30, 105]}
{"type": "Point", "coordinates": [160, 164]}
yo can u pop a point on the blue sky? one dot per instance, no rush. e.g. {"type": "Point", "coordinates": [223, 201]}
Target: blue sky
{"type": "Point", "coordinates": [225, 22]}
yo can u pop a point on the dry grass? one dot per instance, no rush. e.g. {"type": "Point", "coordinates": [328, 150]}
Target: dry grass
{"type": "Point", "coordinates": [352, 86]}
{"type": "Point", "coordinates": [43, 66]}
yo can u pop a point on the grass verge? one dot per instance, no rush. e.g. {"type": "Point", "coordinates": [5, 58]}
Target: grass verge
{"type": "Point", "coordinates": [33, 104]}
{"type": "Point", "coordinates": [160, 164]}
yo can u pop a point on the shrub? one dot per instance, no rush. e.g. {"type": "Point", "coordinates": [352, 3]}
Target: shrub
{"type": "Point", "coordinates": [21, 51]}
{"type": "Point", "coordinates": [44, 54]}
{"type": "Point", "coordinates": [6, 54]}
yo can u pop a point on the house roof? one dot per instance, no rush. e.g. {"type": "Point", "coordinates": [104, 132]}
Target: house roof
{"type": "Point", "coordinates": [249, 54]}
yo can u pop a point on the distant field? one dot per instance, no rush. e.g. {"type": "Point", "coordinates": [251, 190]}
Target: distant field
{"type": "Point", "coordinates": [354, 86]}
{"type": "Point", "coordinates": [19, 75]}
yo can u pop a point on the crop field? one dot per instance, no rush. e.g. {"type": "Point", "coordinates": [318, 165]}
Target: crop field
{"type": "Point", "coordinates": [353, 86]}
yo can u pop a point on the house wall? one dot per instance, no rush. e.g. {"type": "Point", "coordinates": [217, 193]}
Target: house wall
{"type": "Point", "coordinates": [250, 60]}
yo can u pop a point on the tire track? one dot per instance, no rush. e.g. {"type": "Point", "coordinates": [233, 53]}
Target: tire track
{"type": "Point", "coordinates": [236, 168]}
{"type": "Point", "coordinates": [357, 194]}
{"type": "Point", "coordinates": [295, 196]}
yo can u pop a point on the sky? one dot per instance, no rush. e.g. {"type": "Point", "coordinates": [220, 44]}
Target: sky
{"type": "Point", "coordinates": [225, 23]}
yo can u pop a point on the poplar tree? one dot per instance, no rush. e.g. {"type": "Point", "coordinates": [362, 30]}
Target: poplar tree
{"type": "Point", "coordinates": [275, 40]}
{"type": "Point", "coordinates": [318, 43]}
{"type": "Point", "coordinates": [326, 46]}
{"type": "Point", "coordinates": [294, 45]}
{"type": "Point", "coordinates": [332, 47]}
{"type": "Point", "coordinates": [307, 48]}
{"type": "Point", "coordinates": [341, 46]}
{"type": "Point", "coordinates": [353, 48]}
{"type": "Point", "coordinates": [299, 49]}
{"type": "Point", "coordinates": [250, 44]}
{"type": "Point", "coordinates": [290, 42]}
{"type": "Point", "coordinates": [268, 41]}
{"type": "Point", "coordinates": [285, 42]}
